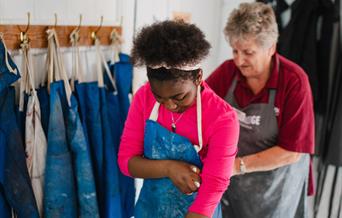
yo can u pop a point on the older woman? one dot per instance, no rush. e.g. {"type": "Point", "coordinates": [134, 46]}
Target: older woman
{"type": "Point", "coordinates": [274, 103]}
{"type": "Point", "coordinates": [179, 135]}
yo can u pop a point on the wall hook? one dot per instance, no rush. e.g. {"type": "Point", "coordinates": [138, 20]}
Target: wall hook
{"type": "Point", "coordinates": [23, 34]}
{"type": "Point", "coordinates": [93, 34]}
{"type": "Point", "coordinates": [80, 23]}
{"type": "Point", "coordinates": [55, 20]}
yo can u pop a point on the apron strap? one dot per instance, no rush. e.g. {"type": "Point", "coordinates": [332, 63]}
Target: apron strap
{"type": "Point", "coordinates": [77, 71]}
{"type": "Point", "coordinates": [55, 59]}
{"type": "Point", "coordinates": [12, 70]}
{"type": "Point", "coordinates": [154, 112]}
{"type": "Point", "coordinates": [116, 41]}
{"type": "Point", "coordinates": [154, 117]}
{"type": "Point", "coordinates": [232, 87]}
{"type": "Point", "coordinates": [27, 84]}
{"type": "Point", "coordinates": [199, 119]}
{"type": "Point", "coordinates": [101, 61]}
{"type": "Point", "coordinates": [271, 97]}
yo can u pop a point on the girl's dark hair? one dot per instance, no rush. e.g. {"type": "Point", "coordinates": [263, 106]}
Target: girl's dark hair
{"type": "Point", "coordinates": [163, 74]}
{"type": "Point", "coordinates": [172, 43]}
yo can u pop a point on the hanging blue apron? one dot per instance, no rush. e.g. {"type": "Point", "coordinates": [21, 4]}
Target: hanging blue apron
{"type": "Point", "coordinates": [123, 72]}
{"type": "Point", "coordinates": [59, 188]}
{"type": "Point", "coordinates": [278, 193]}
{"type": "Point", "coordinates": [159, 197]}
{"type": "Point", "coordinates": [9, 72]}
{"type": "Point", "coordinates": [86, 191]}
{"type": "Point", "coordinates": [88, 95]}
{"type": "Point", "coordinates": [15, 181]}
{"type": "Point", "coordinates": [112, 198]}
{"type": "Point", "coordinates": [94, 100]}
{"type": "Point", "coordinates": [15, 184]}
{"type": "Point", "coordinates": [65, 135]}
{"type": "Point", "coordinates": [85, 180]}
{"type": "Point", "coordinates": [44, 101]}
{"type": "Point", "coordinates": [118, 106]}
{"type": "Point", "coordinates": [111, 181]}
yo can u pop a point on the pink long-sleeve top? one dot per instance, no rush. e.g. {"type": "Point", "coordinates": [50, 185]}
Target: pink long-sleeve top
{"type": "Point", "coordinates": [220, 130]}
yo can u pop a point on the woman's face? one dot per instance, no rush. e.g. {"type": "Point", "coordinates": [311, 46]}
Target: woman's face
{"type": "Point", "coordinates": [175, 95]}
{"type": "Point", "coordinates": [252, 59]}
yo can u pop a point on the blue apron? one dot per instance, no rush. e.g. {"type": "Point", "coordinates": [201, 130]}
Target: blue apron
{"type": "Point", "coordinates": [111, 181]}
{"type": "Point", "coordinates": [94, 102]}
{"type": "Point", "coordinates": [77, 140]}
{"type": "Point", "coordinates": [86, 191]}
{"type": "Point", "coordinates": [159, 197]}
{"type": "Point", "coordinates": [65, 129]}
{"type": "Point", "coordinates": [15, 185]}
{"type": "Point", "coordinates": [44, 101]}
{"type": "Point", "coordinates": [118, 106]}
{"type": "Point", "coordinates": [9, 72]}
{"type": "Point", "coordinates": [14, 178]}
{"type": "Point", "coordinates": [59, 188]}
{"type": "Point", "coordinates": [123, 73]}
{"type": "Point", "coordinates": [88, 95]}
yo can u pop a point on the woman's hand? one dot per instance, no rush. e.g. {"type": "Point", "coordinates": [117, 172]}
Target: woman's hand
{"type": "Point", "coordinates": [184, 176]}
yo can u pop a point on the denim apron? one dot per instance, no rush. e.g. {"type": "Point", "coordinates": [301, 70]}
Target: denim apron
{"type": "Point", "coordinates": [15, 185]}
{"type": "Point", "coordinates": [66, 133]}
{"type": "Point", "coordinates": [86, 189]}
{"type": "Point", "coordinates": [59, 186]}
{"type": "Point", "coordinates": [122, 71]}
{"type": "Point", "coordinates": [108, 98]}
{"type": "Point", "coordinates": [14, 178]}
{"type": "Point", "coordinates": [94, 100]}
{"type": "Point", "coordinates": [278, 193]}
{"type": "Point", "coordinates": [159, 198]}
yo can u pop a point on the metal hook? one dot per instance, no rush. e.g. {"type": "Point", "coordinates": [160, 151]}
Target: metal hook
{"type": "Point", "coordinates": [23, 34]}
{"type": "Point", "coordinates": [74, 35]}
{"type": "Point", "coordinates": [55, 20]}
{"type": "Point", "coordinates": [79, 25]}
{"type": "Point", "coordinates": [93, 34]}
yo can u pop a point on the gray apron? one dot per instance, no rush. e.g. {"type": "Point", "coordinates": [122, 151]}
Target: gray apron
{"type": "Point", "coordinates": [279, 193]}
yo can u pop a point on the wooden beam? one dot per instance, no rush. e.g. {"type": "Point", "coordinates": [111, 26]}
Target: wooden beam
{"type": "Point", "coordinates": [38, 36]}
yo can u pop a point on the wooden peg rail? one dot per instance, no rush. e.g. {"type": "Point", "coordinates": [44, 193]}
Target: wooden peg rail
{"type": "Point", "coordinates": [38, 36]}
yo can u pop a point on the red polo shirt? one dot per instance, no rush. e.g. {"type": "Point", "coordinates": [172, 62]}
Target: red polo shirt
{"type": "Point", "coordinates": [293, 100]}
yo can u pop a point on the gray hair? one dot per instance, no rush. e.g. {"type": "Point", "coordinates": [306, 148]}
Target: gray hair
{"type": "Point", "coordinates": [252, 20]}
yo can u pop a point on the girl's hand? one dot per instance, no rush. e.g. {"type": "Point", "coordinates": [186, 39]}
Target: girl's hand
{"type": "Point", "coordinates": [184, 176]}
{"type": "Point", "coordinates": [195, 215]}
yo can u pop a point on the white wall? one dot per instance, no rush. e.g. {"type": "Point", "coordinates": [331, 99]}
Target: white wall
{"type": "Point", "coordinates": [205, 14]}
{"type": "Point", "coordinates": [42, 11]}
{"type": "Point", "coordinates": [225, 52]}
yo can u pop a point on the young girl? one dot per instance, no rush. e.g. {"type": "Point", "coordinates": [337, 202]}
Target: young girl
{"type": "Point", "coordinates": [179, 136]}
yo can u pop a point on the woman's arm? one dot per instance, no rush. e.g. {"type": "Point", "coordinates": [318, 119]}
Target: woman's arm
{"type": "Point", "coordinates": [266, 160]}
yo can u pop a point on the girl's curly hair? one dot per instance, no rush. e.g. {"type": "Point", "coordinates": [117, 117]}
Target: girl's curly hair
{"type": "Point", "coordinates": [172, 43]}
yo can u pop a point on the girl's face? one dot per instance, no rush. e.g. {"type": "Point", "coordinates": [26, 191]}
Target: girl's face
{"type": "Point", "coordinates": [175, 95]}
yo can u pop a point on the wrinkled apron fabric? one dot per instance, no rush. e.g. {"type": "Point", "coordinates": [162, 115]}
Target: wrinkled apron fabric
{"type": "Point", "coordinates": [119, 104]}
{"type": "Point", "coordinates": [278, 193]}
{"type": "Point", "coordinates": [159, 197]}
{"type": "Point", "coordinates": [15, 185]}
